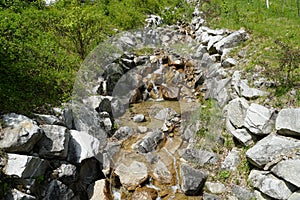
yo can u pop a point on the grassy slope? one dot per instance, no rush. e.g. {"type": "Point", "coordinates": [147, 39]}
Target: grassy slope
{"type": "Point", "coordinates": [279, 22]}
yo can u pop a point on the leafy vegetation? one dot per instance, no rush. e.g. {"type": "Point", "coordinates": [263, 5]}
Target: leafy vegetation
{"type": "Point", "coordinates": [42, 46]}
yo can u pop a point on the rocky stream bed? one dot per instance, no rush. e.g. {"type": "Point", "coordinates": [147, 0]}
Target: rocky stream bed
{"type": "Point", "coordinates": [152, 117]}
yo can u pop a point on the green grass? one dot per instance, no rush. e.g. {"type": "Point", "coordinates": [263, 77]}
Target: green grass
{"type": "Point", "coordinates": [264, 54]}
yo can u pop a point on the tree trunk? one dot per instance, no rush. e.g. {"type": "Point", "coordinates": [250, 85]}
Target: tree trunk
{"type": "Point", "coordinates": [267, 4]}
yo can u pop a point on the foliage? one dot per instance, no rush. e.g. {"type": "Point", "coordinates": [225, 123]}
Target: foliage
{"type": "Point", "coordinates": [42, 46]}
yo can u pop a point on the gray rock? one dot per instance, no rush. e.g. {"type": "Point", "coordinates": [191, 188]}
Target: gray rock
{"type": "Point", "coordinates": [48, 119]}
{"type": "Point", "coordinates": [271, 148]}
{"type": "Point", "coordinates": [15, 194]}
{"type": "Point", "coordinates": [242, 136]}
{"type": "Point", "coordinates": [235, 82]}
{"type": "Point", "coordinates": [295, 196]}
{"type": "Point", "coordinates": [232, 160]}
{"type": "Point", "coordinates": [231, 40]}
{"type": "Point", "coordinates": [269, 184]}
{"type": "Point", "coordinates": [250, 93]}
{"type": "Point", "coordinates": [139, 118]}
{"type": "Point", "coordinates": [142, 129]}
{"type": "Point", "coordinates": [242, 193]}
{"type": "Point", "coordinates": [288, 122]}
{"type": "Point", "coordinates": [99, 190]}
{"type": "Point", "coordinates": [20, 133]}
{"type": "Point", "coordinates": [207, 196]}
{"type": "Point", "coordinates": [107, 156]}
{"type": "Point", "coordinates": [259, 119]}
{"type": "Point", "coordinates": [68, 118]}
{"type": "Point", "coordinates": [150, 141]}
{"type": "Point", "coordinates": [66, 173]}
{"type": "Point", "coordinates": [201, 157]}
{"type": "Point", "coordinates": [58, 190]}
{"type": "Point", "coordinates": [123, 133]}
{"type": "Point", "coordinates": [229, 62]}
{"type": "Point", "coordinates": [218, 89]}
{"type": "Point", "coordinates": [215, 188]}
{"type": "Point", "coordinates": [55, 142]}
{"type": "Point", "coordinates": [131, 180]}
{"type": "Point", "coordinates": [261, 196]}
{"type": "Point", "coordinates": [88, 120]}
{"type": "Point", "coordinates": [192, 180]}
{"type": "Point", "coordinates": [165, 113]}
{"type": "Point", "coordinates": [25, 166]}
{"type": "Point", "coordinates": [237, 111]}
{"type": "Point", "coordinates": [82, 146]}
{"type": "Point", "coordinates": [289, 171]}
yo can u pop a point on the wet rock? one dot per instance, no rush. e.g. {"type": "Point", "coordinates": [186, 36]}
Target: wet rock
{"type": "Point", "coordinates": [229, 62]}
{"type": "Point", "coordinates": [271, 148]}
{"type": "Point", "coordinates": [19, 134]}
{"type": "Point", "coordinates": [144, 193]}
{"type": "Point", "coordinates": [295, 196]}
{"type": "Point", "coordinates": [165, 113]}
{"type": "Point", "coordinates": [215, 188]}
{"type": "Point", "coordinates": [55, 142]}
{"type": "Point", "coordinates": [201, 157]}
{"type": "Point", "coordinates": [237, 111]}
{"type": "Point", "coordinates": [170, 93]}
{"type": "Point", "coordinates": [232, 160]}
{"type": "Point", "coordinates": [161, 173]}
{"type": "Point", "coordinates": [289, 171]}
{"type": "Point", "coordinates": [139, 118]}
{"type": "Point", "coordinates": [107, 156]}
{"type": "Point", "coordinates": [288, 122]}
{"type": "Point", "coordinates": [259, 119]}
{"type": "Point", "coordinates": [66, 173]}
{"type": "Point", "coordinates": [207, 196]}
{"type": "Point", "coordinates": [129, 179]}
{"type": "Point", "coordinates": [123, 133]}
{"type": "Point", "coordinates": [25, 166]}
{"type": "Point", "coordinates": [250, 93]}
{"type": "Point", "coordinates": [48, 119]}
{"type": "Point", "coordinates": [99, 190]}
{"type": "Point", "coordinates": [150, 141]}
{"type": "Point", "coordinates": [192, 180]}
{"type": "Point", "coordinates": [15, 194]}
{"type": "Point", "coordinates": [82, 146]}
{"type": "Point", "coordinates": [242, 193]}
{"type": "Point", "coordinates": [242, 136]}
{"type": "Point", "coordinates": [269, 184]}
{"type": "Point", "coordinates": [58, 190]}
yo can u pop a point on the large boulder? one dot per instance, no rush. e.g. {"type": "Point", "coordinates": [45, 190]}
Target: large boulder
{"type": "Point", "coordinates": [20, 134]}
{"type": "Point", "coordinates": [25, 166]}
{"type": "Point", "coordinates": [270, 185]}
{"type": "Point", "coordinates": [288, 170]}
{"type": "Point", "coordinates": [132, 175]}
{"type": "Point", "coordinates": [243, 136]}
{"type": "Point", "coordinates": [15, 194]}
{"type": "Point", "coordinates": [259, 119]}
{"type": "Point", "coordinates": [192, 180]}
{"type": "Point", "coordinates": [271, 148]}
{"type": "Point", "coordinates": [231, 40]}
{"type": "Point", "coordinates": [288, 122]}
{"type": "Point", "coordinates": [82, 146]}
{"type": "Point", "coordinates": [55, 142]}
{"type": "Point", "coordinates": [123, 133]}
